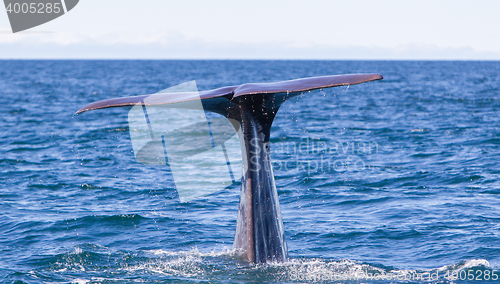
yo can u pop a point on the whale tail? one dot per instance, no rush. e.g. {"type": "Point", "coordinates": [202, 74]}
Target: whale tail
{"type": "Point", "coordinates": [251, 108]}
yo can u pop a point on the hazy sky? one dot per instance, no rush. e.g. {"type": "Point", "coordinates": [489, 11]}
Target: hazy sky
{"type": "Point", "coordinates": [312, 29]}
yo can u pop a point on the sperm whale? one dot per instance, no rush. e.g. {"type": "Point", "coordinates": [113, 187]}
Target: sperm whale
{"type": "Point", "coordinates": [251, 108]}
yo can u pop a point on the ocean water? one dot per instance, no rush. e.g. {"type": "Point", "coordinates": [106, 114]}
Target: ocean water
{"type": "Point", "coordinates": [388, 181]}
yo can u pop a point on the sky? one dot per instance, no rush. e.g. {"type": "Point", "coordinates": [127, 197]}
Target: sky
{"type": "Point", "coordinates": [220, 29]}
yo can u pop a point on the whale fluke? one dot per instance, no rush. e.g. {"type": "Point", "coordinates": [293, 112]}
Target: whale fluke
{"type": "Point", "coordinates": [251, 109]}
{"type": "Point", "coordinates": [291, 86]}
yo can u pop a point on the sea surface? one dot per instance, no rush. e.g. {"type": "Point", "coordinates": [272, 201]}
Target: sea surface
{"type": "Point", "coordinates": [395, 180]}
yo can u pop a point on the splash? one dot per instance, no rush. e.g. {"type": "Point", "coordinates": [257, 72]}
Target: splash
{"type": "Point", "coordinates": [97, 264]}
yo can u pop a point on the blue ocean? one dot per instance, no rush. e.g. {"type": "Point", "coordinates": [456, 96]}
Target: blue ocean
{"type": "Point", "coordinates": [394, 181]}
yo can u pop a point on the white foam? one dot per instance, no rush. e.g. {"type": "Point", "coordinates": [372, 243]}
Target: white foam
{"type": "Point", "coordinates": [80, 281]}
{"type": "Point", "coordinates": [194, 252]}
{"type": "Point", "coordinates": [465, 264]}
{"type": "Point", "coordinates": [205, 265]}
